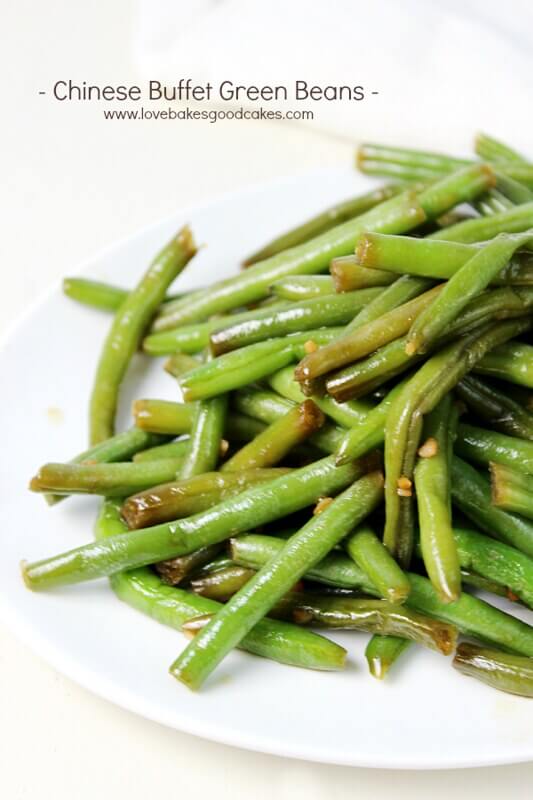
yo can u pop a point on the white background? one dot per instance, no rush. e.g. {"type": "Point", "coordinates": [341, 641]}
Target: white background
{"type": "Point", "coordinates": [72, 183]}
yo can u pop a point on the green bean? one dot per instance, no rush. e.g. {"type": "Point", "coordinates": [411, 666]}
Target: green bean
{"type": "Point", "coordinates": [493, 150]}
{"type": "Point", "coordinates": [369, 433]}
{"type": "Point", "coordinates": [483, 446]}
{"type": "Point", "coordinates": [178, 499]}
{"type": "Point", "coordinates": [178, 363]}
{"type": "Point", "coordinates": [432, 482]}
{"type": "Point", "coordinates": [471, 615]}
{"type": "Point", "coordinates": [340, 212]}
{"type": "Point", "coordinates": [177, 449]}
{"type": "Point", "coordinates": [503, 671]}
{"type": "Point", "coordinates": [466, 284]}
{"type": "Point", "coordinates": [515, 220]}
{"type": "Point", "coordinates": [207, 427]}
{"type": "Point", "coordinates": [222, 584]}
{"type": "Point", "coordinates": [175, 570]}
{"type": "Point", "coordinates": [120, 447]}
{"type": "Point", "coordinates": [497, 562]}
{"type": "Point", "coordinates": [364, 340]}
{"type": "Point", "coordinates": [348, 274]}
{"type": "Point", "coordinates": [500, 410]}
{"type": "Point", "coordinates": [330, 310]}
{"type": "Point", "coordinates": [162, 416]}
{"type": "Point", "coordinates": [346, 414]}
{"type": "Point", "coordinates": [471, 578]}
{"type": "Point", "coordinates": [471, 494]}
{"type": "Point", "coordinates": [280, 641]}
{"type": "Point", "coordinates": [278, 439]}
{"type": "Point", "coordinates": [404, 424]}
{"type": "Point", "coordinates": [512, 490]}
{"type": "Point", "coordinates": [304, 287]}
{"type": "Point", "coordinates": [372, 556]}
{"type": "Point", "coordinates": [382, 652]}
{"type": "Point", "coordinates": [269, 585]}
{"type": "Point", "coordinates": [191, 339]}
{"type": "Point", "coordinates": [113, 480]}
{"type": "Point", "coordinates": [255, 506]}
{"type": "Point", "coordinates": [95, 294]}
{"type": "Point", "coordinates": [432, 258]}
{"type": "Point", "coordinates": [512, 190]}
{"type": "Point", "coordinates": [401, 291]}
{"type": "Point", "coordinates": [512, 362]}
{"type": "Point", "coordinates": [493, 202]}
{"type": "Point", "coordinates": [397, 215]}
{"type": "Point", "coordinates": [270, 406]}
{"type": "Point", "coordinates": [127, 329]}
{"type": "Point", "coordinates": [462, 185]}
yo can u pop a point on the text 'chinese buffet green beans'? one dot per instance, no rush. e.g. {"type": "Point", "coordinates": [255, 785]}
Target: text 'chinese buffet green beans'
{"type": "Point", "coordinates": [373, 361]}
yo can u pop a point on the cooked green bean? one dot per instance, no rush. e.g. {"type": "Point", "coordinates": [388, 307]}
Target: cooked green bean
{"type": "Point", "coordinates": [433, 491]}
{"type": "Point", "coordinates": [512, 361]}
{"type": "Point", "coordinates": [304, 287]}
{"type": "Point", "coordinates": [95, 294]}
{"type": "Point", "coordinates": [432, 258]}
{"type": "Point", "coordinates": [493, 150]}
{"type": "Point", "coordinates": [496, 561]}
{"type": "Point", "coordinates": [255, 506]}
{"type": "Point", "coordinates": [120, 447]}
{"type": "Point", "coordinates": [497, 408]}
{"type": "Point", "coordinates": [375, 560]}
{"type": "Point", "coordinates": [340, 212]}
{"type": "Point", "coordinates": [177, 449]}
{"type": "Point", "coordinates": [113, 480]}
{"type": "Point", "coordinates": [222, 584]}
{"type": "Point", "coordinates": [509, 673]}
{"type": "Point", "coordinates": [401, 291]}
{"type": "Point", "coordinates": [330, 310]}
{"type": "Point", "coordinates": [468, 282]}
{"type": "Point", "coordinates": [438, 375]}
{"type": "Point", "coordinates": [382, 652]}
{"type": "Point", "coordinates": [471, 615]}
{"type": "Point", "coordinates": [175, 570]}
{"type": "Point", "coordinates": [177, 499]}
{"type": "Point", "coordinates": [364, 340]}
{"type": "Point", "coordinates": [483, 446]}
{"type": "Point", "coordinates": [271, 583]}
{"type": "Point", "coordinates": [348, 274]}
{"type": "Point", "coordinates": [127, 329]}
{"type": "Point", "coordinates": [397, 215]}
{"type": "Point", "coordinates": [163, 416]}
{"type": "Point", "coordinates": [512, 490]}
{"type": "Point", "coordinates": [471, 494]}
{"type": "Point", "coordinates": [278, 439]}
{"type": "Point", "coordinates": [515, 220]}
{"type": "Point", "coordinates": [178, 363]}
{"type": "Point", "coordinates": [280, 641]}
{"type": "Point", "coordinates": [207, 428]}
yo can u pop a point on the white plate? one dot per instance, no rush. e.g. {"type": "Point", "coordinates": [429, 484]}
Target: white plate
{"type": "Point", "coordinates": [424, 715]}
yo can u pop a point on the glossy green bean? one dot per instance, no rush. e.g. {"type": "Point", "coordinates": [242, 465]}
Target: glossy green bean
{"type": "Point", "coordinates": [324, 221]}
{"type": "Point", "coordinates": [181, 498]}
{"type": "Point", "coordinates": [255, 506]}
{"type": "Point", "coordinates": [497, 408]}
{"type": "Point", "coordinates": [176, 449]}
{"type": "Point", "coordinates": [512, 490]}
{"type": "Point", "coordinates": [272, 582]}
{"type": "Point", "coordinates": [512, 361]}
{"type": "Point", "coordinates": [347, 274]}
{"type": "Point", "coordinates": [163, 416]}
{"type": "Point", "coordinates": [471, 494]}
{"type": "Point", "coordinates": [503, 671]}
{"type": "Point", "coordinates": [277, 640]}
{"type": "Point", "coordinates": [401, 291]}
{"type": "Point", "coordinates": [471, 615]}
{"type": "Point", "coordinates": [112, 480]}
{"type": "Point", "coordinates": [468, 282]}
{"type": "Point", "coordinates": [372, 556]}
{"type": "Point", "coordinates": [483, 446]}
{"type": "Point", "coordinates": [433, 491]}
{"type": "Point", "coordinates": [515, 220]}
{"type": "Point", "coordinates": [397, 215]}
{"type": "Point", "coordinates": [207, 428]}
{"type": "Point", "coordinates": [331, 310]}
{"type": "Point", "coordinates": [127, 329]}
{"type": "Point", "coordinates": [222, 584]}
{"type": "Point", "coordinates": [382, 652]}
{"type": "Point", "coordinates": [175, 570]}
{"type": "Point", "coordinates": [278, 439]}
{"type": "Point", "coordinates": [304, 287]}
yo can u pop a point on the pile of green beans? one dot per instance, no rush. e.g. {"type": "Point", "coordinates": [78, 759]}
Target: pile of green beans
{"type": "Point", "coordinates": [333, 433]}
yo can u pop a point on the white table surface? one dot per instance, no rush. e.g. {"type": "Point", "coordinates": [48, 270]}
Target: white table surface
{"type": "Point", "coordinates": [72, 183]}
